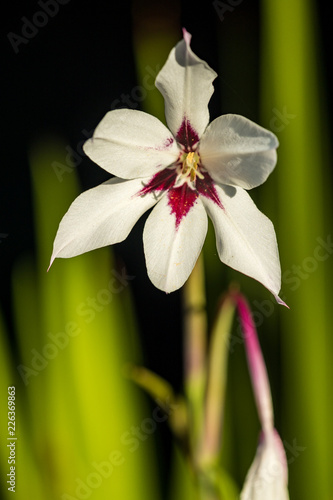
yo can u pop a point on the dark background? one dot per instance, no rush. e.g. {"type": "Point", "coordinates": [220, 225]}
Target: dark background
{"type": "Point", "coordinates": [64, 80]}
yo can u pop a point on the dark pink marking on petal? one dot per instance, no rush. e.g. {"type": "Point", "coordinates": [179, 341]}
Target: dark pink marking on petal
{"type": "Point", "coordinates": [181, 200]}
{"type": "Point", "coordinates": [186, 135]}
{"type": "Point", "coordinates": [206, 187]}
{"type": "Point", "coordinates": [166, 144]}
{"type": "Point", "coordinates": [161, 181]}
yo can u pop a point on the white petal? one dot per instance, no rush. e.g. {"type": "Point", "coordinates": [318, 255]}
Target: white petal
{"type": "Point", "coordinates": [267, 477]}
{"type": "Point", "coordinates": [131, 144]}
{"type": "Point", "coordinates": [101, 216]}
{"type": "Point", "coordinates": [171, 252]}
{"type": "Point", "coordinates": [238, 152]}
{"type": "Point", "coordinates": [185, 82]}
{"type": "Point", "coordinates": [245, 237]}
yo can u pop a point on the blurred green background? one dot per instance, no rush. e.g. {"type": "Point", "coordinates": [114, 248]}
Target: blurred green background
{"type": "Point", "coordinates": [83, 429]}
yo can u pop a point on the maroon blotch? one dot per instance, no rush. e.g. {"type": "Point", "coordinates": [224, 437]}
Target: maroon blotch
{"type": "Point", "coordinates": [181, 200]}
{"type": "Point", "coordinates": [206, 187]}
{"type": "Point", "coordinates": [161, 181]}
{"type": "Point", "coordinates": [186, 135]}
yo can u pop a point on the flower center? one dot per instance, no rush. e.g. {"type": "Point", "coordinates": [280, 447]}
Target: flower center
{"type": "Point", "coordinates": [190, 162]}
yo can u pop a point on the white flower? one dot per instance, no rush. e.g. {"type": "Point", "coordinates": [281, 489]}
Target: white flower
{"type": "Point", "coordinates": [267, 478]}
{"type": "Point", "coordinates": [186, 171]}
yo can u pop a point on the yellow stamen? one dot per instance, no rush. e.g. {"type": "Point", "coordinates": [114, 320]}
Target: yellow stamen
{"type": "Point", "coordinates": [191, 160]}
{"type": "Point", "coordinates": [190, 165]}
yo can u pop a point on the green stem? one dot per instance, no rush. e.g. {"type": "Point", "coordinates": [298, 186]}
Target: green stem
{"type": "Point", "coordinates": [216, 383]}
{"type": "Point", "coordinates": [195, 340]}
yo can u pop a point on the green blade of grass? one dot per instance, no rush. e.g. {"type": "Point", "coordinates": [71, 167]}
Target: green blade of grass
{"type": "Point", "coordinates": [295, 110]}
{"type": "Point", "coordinates": [86, 429]}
